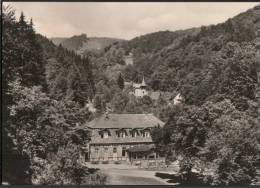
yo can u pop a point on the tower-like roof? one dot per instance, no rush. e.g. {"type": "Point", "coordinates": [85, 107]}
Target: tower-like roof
{"type": "Point", "coordinates": [143, 83]}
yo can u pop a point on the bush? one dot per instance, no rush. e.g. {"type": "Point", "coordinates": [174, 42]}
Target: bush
{"type": "Point", "coordinates": [94, 162]}
{"type": "Point", "coordinates": [117, 162]}
{"type": "Point", "coordinates": [105, 162]}
{"type": "Point", "coordinates": [96, 179]}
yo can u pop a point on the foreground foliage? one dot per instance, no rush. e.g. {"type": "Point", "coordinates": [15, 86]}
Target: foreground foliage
{"type": "Point", "coordinates": [42, 134]}
{"type": "Point", "coordinates": [216, 139]}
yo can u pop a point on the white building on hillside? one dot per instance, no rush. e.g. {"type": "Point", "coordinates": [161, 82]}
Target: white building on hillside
{"type": "Point", "coordinates": [90, 106]}
{"type": "Point", "coordinates": [140, 89]}
{"type": "Point", "coordinates": [129, 59]}
{"type": "Point", "coordinates": [178, 99]}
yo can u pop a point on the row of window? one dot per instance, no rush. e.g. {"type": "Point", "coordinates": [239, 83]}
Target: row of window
{"type": "Point", "coordinates": [114, 150]}
{"type": "Point", "coordinates": [122, 134]}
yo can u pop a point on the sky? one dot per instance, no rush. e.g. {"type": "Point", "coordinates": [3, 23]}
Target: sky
{"type": "Point", "coordinates": [124, 20]}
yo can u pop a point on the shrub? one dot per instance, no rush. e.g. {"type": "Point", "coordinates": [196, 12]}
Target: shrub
{"type": "Point", "coordinates": [96, 179]}
{"type": "Point", "coordinates": [117, 162]}
{"type": "Point", "coordinates": [105, 162]}
{"type": "Point", "coordinates": [94, 162]}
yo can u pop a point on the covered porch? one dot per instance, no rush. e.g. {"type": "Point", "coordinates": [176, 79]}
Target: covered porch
{"type": "Point", "coordinates": [145, 156]}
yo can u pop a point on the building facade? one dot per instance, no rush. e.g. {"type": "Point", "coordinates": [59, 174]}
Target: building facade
{"type": "Point", "coordinates": [129, 59]}
{"type": "Point", "coordinates": [140, 90]}
{"type": "Point", "coordinates": [121, 137]}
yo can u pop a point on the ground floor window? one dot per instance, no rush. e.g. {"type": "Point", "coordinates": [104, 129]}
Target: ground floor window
{"type": "Point", "coordinates": [139, 156]}
{"type": "Point", "coordinates": [123, 151]}
{"type": "Point", "coordinates": [114, 150]}
{"type": "Point", "coordinates": [151, 157]}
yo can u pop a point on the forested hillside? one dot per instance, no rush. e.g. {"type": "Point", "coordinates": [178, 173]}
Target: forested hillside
{"type": "Point", "coordinates": [83, 45]}
{"type": "Point", "coordinates": [199, 63]}
{"type": "Point", "coordinates": [44, 89]}
{"type": "Point", "coordinates": [57, 40]}
{"type": "Point", "coordinates": [69, 76]}
{"type": "Point", "coordinates": [216, 130]}
{"type": "Point", "coordinates": [215, 69]}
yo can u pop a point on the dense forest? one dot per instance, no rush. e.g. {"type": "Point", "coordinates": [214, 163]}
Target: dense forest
{"type": "Point", "coordinates": [216, 130]}
{"type": "Point", "coordinates": [44, 89]}
{"type": "Point", "coordinates": [83, 45]}
{"type": "Point", "coordinates": [196, 62]}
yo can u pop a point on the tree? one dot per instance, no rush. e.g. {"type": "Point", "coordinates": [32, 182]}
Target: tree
{"type": "Point", "coordinates": [16, 165]}
{"type": "Point", "coordinates": [44, 130]}
{"type": "Point", "coordinates": [98, 103]}
{"type": "Point", "coordinates": [232, 149]}
{"type": "Point", "coordinates": [155, 84]}
{"type": "Point", "coordinates": [69, 75]}
{"type": "Point", "coordinates": [119, 102]}
{"type": "Point", "coordinates": [22, 19]}
{"type": "Point", "coordinates": [120, 82]}
{"type": "Point", "coordinates": [38, 128]}
{"type": "Point", "coordinates": [215, 137]}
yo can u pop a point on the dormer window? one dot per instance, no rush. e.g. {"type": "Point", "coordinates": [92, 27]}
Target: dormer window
{"type": "Point", "coordinates": [104, 133]}
{"type": "Point", "coordinates": [134, 133]}
{"type": "Point", "coordinates": [146, 134]}
{"type": "Point", "coordinates": [121, 133]}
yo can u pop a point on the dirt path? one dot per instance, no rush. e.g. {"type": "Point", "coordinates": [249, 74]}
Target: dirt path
{"type": "Point", "coordinates": [132, 177]}
{"type": "Point", "coordinates": [129, 175]}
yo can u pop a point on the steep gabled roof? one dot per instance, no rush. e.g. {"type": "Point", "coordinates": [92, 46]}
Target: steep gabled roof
{"type": "Point", "coordinates": [125, 121]}
{"type": "Point", "coordinates": [143, 82]}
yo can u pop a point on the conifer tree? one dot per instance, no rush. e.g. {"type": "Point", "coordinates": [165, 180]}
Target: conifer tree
{"type": "Point", "coordinates": [22, 19]}
{"type": "Point", "coordinates": [120, 82]}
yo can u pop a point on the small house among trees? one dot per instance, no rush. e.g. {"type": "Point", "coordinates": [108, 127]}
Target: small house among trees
{"type": "Point", "coordinates": [140, 90]}
{"type": "Point", "coordinates": [129, 59]}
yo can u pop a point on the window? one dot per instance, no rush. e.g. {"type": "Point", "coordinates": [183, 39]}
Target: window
{"type": "Point", "coordinates": [114, 150]}
{"type": "Point", "coordinates": [122, 134]}
{"type": "Point", "coordinates": [151, 156]}
{"type": "Point", "coordinates": [161, 155]}
{"type": "Point", "coordinates": [139, 156]}
{"type": "Point", "coordinates": [96, 150]}
{"type": "Point", "coordinates": [134, 134]}
{"type": "Point", "coordinates": [105, 135]}
{"type": "Point", "coordinates": [123, 152]}
{"type": "Point", "coordinates": [106, 148]}
{"type": "Point", "coordinates": [146, 134]}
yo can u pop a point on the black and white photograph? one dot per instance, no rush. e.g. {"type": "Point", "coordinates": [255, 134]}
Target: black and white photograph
{"type": "Point", "coordinates": [130, 93]}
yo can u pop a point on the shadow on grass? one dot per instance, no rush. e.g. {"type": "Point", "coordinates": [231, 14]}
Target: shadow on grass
{"type": "Point", "coordinates": [93, 170]}
{"type": "Point", "coordinates": [193, 179]}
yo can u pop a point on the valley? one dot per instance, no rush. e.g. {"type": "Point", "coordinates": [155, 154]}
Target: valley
{"type": "Point", "coordinates": [188, 96]}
